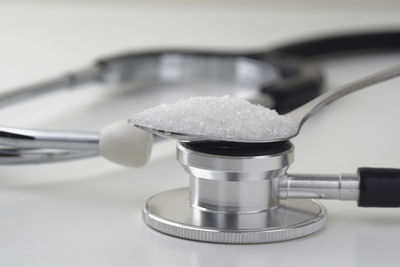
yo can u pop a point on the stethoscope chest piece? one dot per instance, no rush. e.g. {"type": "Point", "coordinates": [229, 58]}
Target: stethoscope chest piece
{"type": "Point", "coordinates": [233, 197]}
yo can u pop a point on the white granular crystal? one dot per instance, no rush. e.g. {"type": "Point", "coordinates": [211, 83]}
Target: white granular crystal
{"type": "Point", "coordinates": [223, 118]}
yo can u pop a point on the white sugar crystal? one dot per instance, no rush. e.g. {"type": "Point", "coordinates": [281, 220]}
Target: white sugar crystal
{"type": "Point", "coordinates": [223, 118]}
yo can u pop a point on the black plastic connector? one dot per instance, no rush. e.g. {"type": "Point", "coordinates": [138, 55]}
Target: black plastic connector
{"type": "Point", "coordinates": [379, 187]}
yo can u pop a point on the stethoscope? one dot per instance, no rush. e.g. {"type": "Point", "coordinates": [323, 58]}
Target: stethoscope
{"type": "Point", "coordinates": [232, 198]}
{"type": "Point", "coordinates": [282, 78]}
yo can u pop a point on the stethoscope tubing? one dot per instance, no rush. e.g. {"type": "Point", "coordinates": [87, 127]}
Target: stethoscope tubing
{"type": "Point", "coordinates": [302, 81]}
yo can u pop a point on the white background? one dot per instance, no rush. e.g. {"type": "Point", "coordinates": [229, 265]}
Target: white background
{"type": "Point", "coordinates": [87, 213]}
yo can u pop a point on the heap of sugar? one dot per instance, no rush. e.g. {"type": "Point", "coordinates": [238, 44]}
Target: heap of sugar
{"type": "Point", "coordinates": [223, 118]}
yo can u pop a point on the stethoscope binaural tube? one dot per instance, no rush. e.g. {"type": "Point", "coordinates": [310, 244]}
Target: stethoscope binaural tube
{"type": "Point", "coordinates": [331, 45]}
{"type": "Point", "coordinates": [288, 77]}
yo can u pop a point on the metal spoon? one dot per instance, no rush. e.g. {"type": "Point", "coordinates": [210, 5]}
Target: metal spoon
{"type": "Point", "coordinates": [299, 115]}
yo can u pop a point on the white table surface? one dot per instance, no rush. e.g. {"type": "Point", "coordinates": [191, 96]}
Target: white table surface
{"type": "Point", "coordinates": [88, 212]}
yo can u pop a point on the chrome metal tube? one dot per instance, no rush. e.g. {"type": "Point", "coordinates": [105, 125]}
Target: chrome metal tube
{"type": "Point", "coordinates": [233, 184]}
{"type": "Point", "coordinates": [15, 156]}
{"type": "Point", "coordinates": [23, 146]}
{"type": "Point", "coordinates": [232, 196]}
{"type": "Point", "coordinates": [69, 80]}
{"type": "Point", "coordinates": [29, 139]}
{"type": "Point", "coordinates": [335, 186]}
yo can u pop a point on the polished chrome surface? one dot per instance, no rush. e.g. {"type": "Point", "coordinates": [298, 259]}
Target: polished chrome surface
{"type": "Point", "coordinates": [234, 168]}
{"type": "Point", "coordinates": [29, 139]}
{"type": "Point", "coordinates": [14, 156]}
{"type": "Point", "coordinates": [234, 183]}
{"type": "Point", "coordinates": [189, 67]}
{"type": "Point", "coordinates": [233, 199]}
{"type": "Point", "coordinates": [21, 146]}
{"type": "Point", "coordinates": [171, 213]}
{"type": "Point", "coordinates": [340, 186]}
{"type": "Point", "coordinates": [299, 115]}
{"type": "Point", "coordinates": [228, 196]}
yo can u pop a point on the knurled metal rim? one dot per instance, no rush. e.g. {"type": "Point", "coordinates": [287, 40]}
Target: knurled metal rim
{"type": "Point", "coordinates": [215, 235]}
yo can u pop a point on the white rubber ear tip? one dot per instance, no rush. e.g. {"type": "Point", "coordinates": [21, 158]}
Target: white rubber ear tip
{"type": "Point", "coordinates": [125, 144]}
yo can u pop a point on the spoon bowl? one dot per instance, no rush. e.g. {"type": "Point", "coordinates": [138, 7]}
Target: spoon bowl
{"type": "Point", "coordinates": [182, 137]}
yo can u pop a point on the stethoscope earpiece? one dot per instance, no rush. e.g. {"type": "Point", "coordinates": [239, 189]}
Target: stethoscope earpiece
{"type": "Point", "coordinates": [125, 145]}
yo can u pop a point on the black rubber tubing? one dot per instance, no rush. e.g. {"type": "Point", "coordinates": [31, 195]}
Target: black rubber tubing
{"type": "Point", "coordinates": [368, 41]}
{"type": "Point", "coordinates": [379, 187]}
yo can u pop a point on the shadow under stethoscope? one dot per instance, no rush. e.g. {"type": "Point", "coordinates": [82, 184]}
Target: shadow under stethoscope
{"type": "Point", "coordinates": [323, 244]}
{"type": "Point", "coordinates": [198, 254]}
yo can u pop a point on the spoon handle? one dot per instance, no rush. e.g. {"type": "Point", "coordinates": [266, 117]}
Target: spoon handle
{"type": "Point", "coordinates": [302, 113]}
